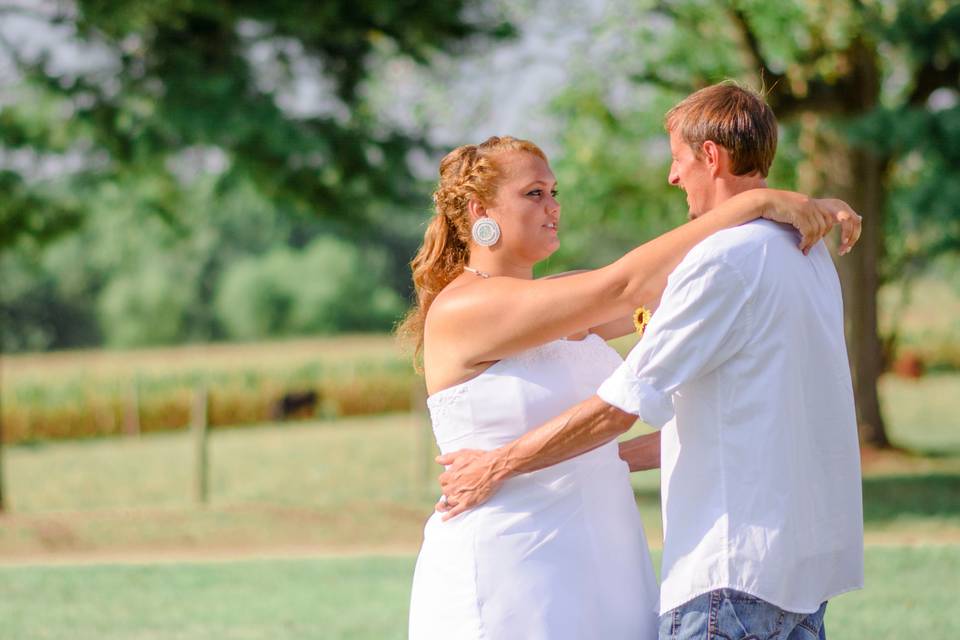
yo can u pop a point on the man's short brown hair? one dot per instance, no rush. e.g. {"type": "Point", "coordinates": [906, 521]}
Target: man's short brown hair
{"type": "Point", "coordinates": [733, 117]}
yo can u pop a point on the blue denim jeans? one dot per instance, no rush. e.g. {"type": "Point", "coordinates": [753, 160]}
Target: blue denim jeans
{"type": "Point", "coordinates": [726, 614]}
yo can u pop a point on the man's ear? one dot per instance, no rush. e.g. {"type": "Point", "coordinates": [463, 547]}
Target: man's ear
{"type": "Point", "coordinates": [713, 156]}
{"type": "Point", "coordinates": [476, 210]}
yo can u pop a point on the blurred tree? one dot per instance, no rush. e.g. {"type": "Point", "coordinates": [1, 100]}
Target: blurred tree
{"type": "Point", "coordinates": [868, 91]}
{"type": "Point", "coordinates": [328, 287]}
{"type": "Point", "coordinates": [268, 93]}
{"type": "Point", "coordinates": [144, 146]}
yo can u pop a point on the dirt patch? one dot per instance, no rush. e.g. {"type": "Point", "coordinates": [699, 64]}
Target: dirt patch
{"type": "Point", "coordinates": [242, 530]}
{"type": "Point", "coordinates": [875, 461]}
{"type": "Point", "coordinates": [199, 555]}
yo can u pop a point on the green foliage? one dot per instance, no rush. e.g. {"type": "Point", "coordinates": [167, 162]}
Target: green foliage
{"type": "Point", "coordinates": [612, 177]}
{"type": "Point", "coordinates": [327, 287]}
{"type": "Point", "coordinates": [868, 95]}
{"type": "Point", "coordinates": [184, 136]}
{"type": "Point", "coordinates": [146, 308]}
{"type": "Point", "coordinates": [924, 220]}
{"type": "Point", "coordinates": [129, 280]}
{"type": "Point", "coordinates": [35, 311]}
{"type": "Point", "coordinates": [174, 77]}
{"type": "Point", "coordinates": [797, 52]}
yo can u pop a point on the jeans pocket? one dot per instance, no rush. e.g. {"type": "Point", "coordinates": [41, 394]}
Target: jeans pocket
{"type": "Point", "coordinates": [742, 617]}
{"type": "Point", "coordinates": [669, 624]}
{"type": "Point", "coordinates": [690, 621]}
{"type": "Point", "coordinates": [811, 627]}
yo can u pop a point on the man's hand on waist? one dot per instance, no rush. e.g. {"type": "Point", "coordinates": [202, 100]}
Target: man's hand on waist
{"type": "Point", "coordinates": [471, 478]}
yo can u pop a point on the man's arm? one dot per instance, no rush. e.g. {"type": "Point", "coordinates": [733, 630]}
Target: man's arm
{"type": "Point", "coordinates": [700, 323]}
{"type": "Point", "coordinates": [476, 475]}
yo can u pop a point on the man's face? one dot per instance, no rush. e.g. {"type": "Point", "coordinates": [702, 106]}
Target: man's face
{"type": "Point", "coordinates": [691, 174]}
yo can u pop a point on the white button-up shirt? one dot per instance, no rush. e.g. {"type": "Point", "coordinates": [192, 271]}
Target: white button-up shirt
{"type": "Point", "coordinates": [744, 367]}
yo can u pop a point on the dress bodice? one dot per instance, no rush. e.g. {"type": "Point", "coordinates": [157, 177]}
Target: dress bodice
{"type": "Point", "coordinates": [519, 393]}
{"type": "Point", "coordinates": [556, 554]}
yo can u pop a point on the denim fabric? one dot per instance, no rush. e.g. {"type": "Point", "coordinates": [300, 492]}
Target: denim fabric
{"type": "Point", "coordinates": [726, 614]}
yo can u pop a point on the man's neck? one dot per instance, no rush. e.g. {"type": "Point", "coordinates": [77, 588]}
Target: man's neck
{"type": "Point", "coordinates": [730, 186]}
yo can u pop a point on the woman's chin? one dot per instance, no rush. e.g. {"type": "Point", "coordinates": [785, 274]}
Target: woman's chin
{"type": "Point", "coordinates": [550, 249]}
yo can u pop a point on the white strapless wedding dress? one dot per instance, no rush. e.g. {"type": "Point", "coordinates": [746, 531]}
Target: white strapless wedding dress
{"type": "Point", "coordinates": [558, 554]}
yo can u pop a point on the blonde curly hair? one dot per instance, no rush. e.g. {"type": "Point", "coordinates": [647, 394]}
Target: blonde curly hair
{"type": "Point", "coordinates": [469, 172]}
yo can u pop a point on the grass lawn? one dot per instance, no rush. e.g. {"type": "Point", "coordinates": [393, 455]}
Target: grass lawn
{"type": "Point", "coordinates": [363, 487]}
{"type": "Point", "coordinates": [357, 486]}
{"type": "Point", "coordinates": [923, 414]}
{"type": "Point", "coordinates": [368, 483]}
{"type": "Point", "coordinates": [910, 594]}
{"type": "Point", "coordinates": [275, 354]}
{"type": "Point", "coordinates": [357, 483]}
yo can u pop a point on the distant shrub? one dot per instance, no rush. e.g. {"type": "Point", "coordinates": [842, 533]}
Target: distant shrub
{"type": "Point", "coordinates": [146, 307]}
{"type": "Point", "coordinates": [935, 354]}
{"type": "Point", "coordinates": [328, 287]}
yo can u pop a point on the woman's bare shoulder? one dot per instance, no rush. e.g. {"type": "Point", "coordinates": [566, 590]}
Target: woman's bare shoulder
{"type": "Point", "coordinates": [447, 355]}
{"type": "Point", "coordinates": [462, 291]}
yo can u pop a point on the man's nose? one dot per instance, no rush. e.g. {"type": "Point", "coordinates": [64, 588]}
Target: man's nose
{"type": "Point", "coordinates": [673, 178]}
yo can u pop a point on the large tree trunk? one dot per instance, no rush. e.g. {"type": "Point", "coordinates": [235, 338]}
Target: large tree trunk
{"type": "Point", "coordinates": [836, 166]}
{"type": "Point", "coordinates": [833, 167]}
{"type": "Point", "coordinates": [861, 282]}
{"type": "Point", "coordinates": [2, 502]}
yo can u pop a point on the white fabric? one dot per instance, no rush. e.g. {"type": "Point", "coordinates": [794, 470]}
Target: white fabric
{"type": "Point", "coordinates": [761, 468]}
{"type": "Point", "coordinates": [558, 554]}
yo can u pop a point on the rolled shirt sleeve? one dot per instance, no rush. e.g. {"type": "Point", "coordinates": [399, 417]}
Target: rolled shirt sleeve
{"type": "Point", "coordinates": [703, 319]}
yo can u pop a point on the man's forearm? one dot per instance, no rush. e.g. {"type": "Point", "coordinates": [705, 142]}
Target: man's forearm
{"type": "Point", "coordinates": [586, 426]}
{"type": "Point", "coordinates": [642, 453]}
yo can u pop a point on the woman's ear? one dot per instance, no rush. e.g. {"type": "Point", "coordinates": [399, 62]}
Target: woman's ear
{"type": "Point", "coordinates": [476, 210]}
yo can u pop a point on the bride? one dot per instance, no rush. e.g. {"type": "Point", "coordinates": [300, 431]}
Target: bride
{"type": "Point", "coordinates": [559, 553]}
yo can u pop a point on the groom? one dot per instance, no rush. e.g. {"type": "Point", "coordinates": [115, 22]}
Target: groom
{"type": "Point", "coordinates": [744, 369]}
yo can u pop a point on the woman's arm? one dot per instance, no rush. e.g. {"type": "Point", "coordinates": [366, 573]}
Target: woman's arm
{"type": "Point", "coordinates": [495, 318]}
{"type": "Point", "coordinates": [642, 453]}
{"type": "Point", "coordinates": [616, 328]}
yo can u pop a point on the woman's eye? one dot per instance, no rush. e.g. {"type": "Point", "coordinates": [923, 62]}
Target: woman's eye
{"type": "Point", "coordinates": [539, 192]}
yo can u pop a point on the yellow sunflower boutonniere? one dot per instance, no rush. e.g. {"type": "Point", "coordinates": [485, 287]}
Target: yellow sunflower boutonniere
{"type": "Point", "coordinates": [641, 318]}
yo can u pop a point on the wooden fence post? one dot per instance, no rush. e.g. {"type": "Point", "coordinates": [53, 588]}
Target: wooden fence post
{"type": "Point", "coordinates": [423, 460]}
{"type": "Point", "coordinates": [131, 417]}
{"type": "Point", "coordinates": [198, 425]}
{"type": "Point", "coordinates": [3, 504]}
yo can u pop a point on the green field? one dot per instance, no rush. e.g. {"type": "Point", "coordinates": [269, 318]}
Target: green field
{"type": "Point", "coordinates": [910, 594]}
{"type": "Point", "coordinates": [367, 483]}
{"type": "Point", "coordinates": [103, 539]}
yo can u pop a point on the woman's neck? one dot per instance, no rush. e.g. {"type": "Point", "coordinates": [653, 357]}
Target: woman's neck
{"type": "Point", "coordinates": [488, 266]}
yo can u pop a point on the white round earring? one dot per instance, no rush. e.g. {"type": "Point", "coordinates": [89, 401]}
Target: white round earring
{"type": "Point", "coordinates": [485, 231]}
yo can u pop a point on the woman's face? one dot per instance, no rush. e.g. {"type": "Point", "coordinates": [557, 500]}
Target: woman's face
{"type": "Point", "coordinates": [526, 207]}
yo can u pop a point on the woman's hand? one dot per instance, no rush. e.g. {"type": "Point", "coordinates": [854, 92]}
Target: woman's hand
{"type": "Point", "coordinates": [814, 218]}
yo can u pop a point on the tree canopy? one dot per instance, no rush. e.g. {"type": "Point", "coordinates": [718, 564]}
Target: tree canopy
{"type": "Point", "coordinates": [869, 96]}
{"type": "Point", "coordinates": [152, 117]}
{"type": "Point", "coordinates": [164, 86]}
